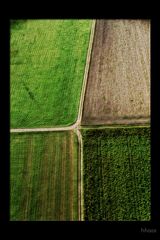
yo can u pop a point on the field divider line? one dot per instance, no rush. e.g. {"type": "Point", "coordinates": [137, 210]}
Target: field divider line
{"type": "Point", "coordinates": [38, 130]}
{"type": "Point", "coordinates": [56, 129]}
{"type": "Point", "coordinates": [86, 71]}
{"type": "Point", "coordinates": [80, 168]}
{"type": "Point", "coordinates": [97, 127]}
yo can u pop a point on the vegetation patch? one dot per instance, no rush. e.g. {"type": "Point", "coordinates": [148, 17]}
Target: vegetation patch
{"type": "Point", "coordinates": [44, 176]}
{"type": "Point", "coordinates": [47, 66]}
{"type": "Point", "coordinates": [116, 174]}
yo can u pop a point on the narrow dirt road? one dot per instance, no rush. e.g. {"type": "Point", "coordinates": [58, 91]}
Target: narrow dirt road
{"type": "Point", "coordinates": [80, 178]}
{"type": "Point", "coordinates": [55, 129]}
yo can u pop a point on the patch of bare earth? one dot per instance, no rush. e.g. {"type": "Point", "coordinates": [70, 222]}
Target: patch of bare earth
{"type": "Point", "coordinates": [118, 86]}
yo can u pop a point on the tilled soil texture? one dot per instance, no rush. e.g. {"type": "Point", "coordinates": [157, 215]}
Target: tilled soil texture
{"type": "Point", "coordinates": [118, 87]}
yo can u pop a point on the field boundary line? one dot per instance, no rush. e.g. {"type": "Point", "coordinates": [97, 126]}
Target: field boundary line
{"type": "Point", "coordinates": [106, 126]}
{"type": "Point", "coordinates": [80, 169]}
{"type": "Point", "coordinates": [86, 71]}
{"type": "Point", "coordinates": [21, 130]}
{"type": "Point", "coordinates": [49, 129]}
{"type": "Point", "coordinates": [131, 122]}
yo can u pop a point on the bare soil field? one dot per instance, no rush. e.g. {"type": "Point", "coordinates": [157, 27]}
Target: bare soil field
{"type": "Point", "coordinates": [118, 86]}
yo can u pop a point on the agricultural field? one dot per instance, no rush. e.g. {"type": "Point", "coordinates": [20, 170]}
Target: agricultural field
{"type": "Point", "coordinates": [44, 176]}
{"type": "Point", "coordinates": [70, 169]}
{"type": "Point", "coordinates": [47, 62]}
{"type": "Point", "coordinates": [117, 174]}
{"type": "Point", "coordinates": [118, 86]}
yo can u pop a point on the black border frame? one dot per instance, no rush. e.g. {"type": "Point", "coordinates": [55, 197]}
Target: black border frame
{"type": "Point", "coordinates": [108, 227]}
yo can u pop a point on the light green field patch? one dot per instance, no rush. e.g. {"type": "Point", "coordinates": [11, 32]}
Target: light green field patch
{"type": "Point", "coordinates": [44, 176]}
{"type": "Point", "coordinates": [47, 67]}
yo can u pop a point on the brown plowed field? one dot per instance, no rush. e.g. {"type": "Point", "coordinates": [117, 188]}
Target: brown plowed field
{"type": "Point", "coordinates": [118, 87]}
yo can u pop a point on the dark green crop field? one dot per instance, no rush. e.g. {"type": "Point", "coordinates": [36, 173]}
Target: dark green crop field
{"type": "Point", "coordinates": [44, 176]}
{"type": "Point", "coordinates": [47, 60]}
{"type": "Point", "coordinates": [117, 174]}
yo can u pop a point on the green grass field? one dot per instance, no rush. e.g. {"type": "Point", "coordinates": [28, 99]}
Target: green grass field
{"type": "Point", "coordinates": [117, 174]}
{"type": "Point", "coordinates": [47, 67]}
{"type": "Point", "coordinates": [44, 176]}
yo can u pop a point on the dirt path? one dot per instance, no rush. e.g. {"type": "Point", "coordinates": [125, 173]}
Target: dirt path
{"type": "Point", "coordinates": [80, 178]}
{"type": "Point", "coordinates": [56, 129]}
{"type": "Point", "coordinates": [86, 72]}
